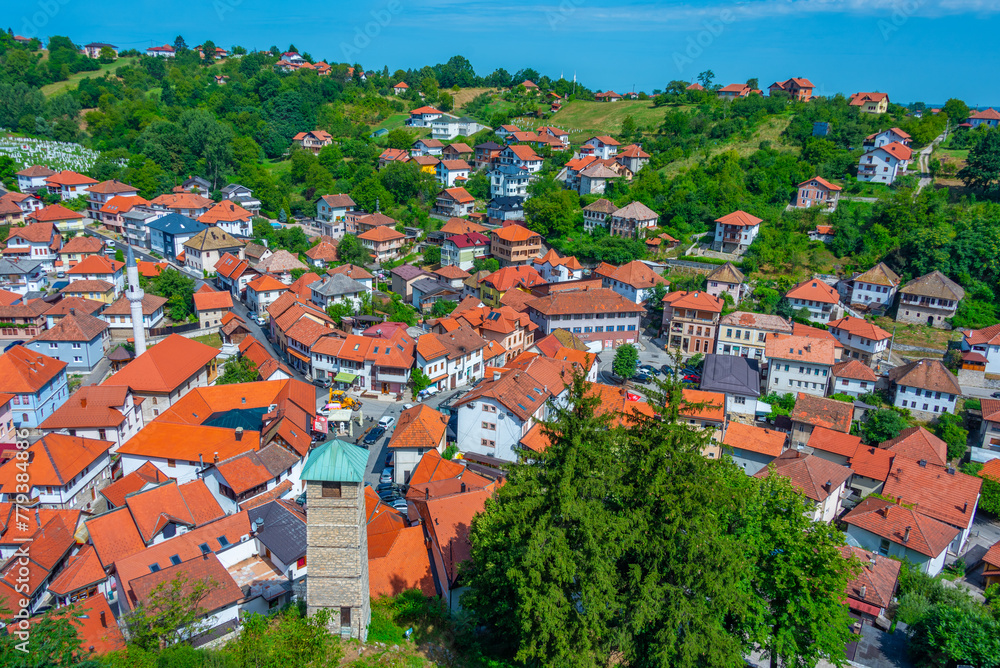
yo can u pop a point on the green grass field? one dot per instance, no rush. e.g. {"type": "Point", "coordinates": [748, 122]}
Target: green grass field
{"type": "Point", "coordinates": [53, 88]}
{"type": "Point", "coordinates": [581, 118]}
{"type": "Point", "coordinates": [769, 131]}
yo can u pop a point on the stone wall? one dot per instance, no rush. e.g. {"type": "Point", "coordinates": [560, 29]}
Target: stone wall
{"type": "Point", "coordinates": [337, 554]}
{"type": "Point", "coordinates": [918, 316]}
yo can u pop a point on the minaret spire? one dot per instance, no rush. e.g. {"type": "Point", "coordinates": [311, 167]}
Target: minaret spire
{"type": "Point", "coordinates": [135, 295]}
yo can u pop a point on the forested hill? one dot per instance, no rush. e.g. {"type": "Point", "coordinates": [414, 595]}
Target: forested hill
{"type": "Point", "coordinates": [156, 121]}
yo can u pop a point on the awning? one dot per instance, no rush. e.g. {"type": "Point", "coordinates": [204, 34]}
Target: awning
{"type": "Point", "coordinates": [295, 353]}
{"type": "Point", "coordinates": [762, 408]}
{"type": "Point", "coordinates": [344, 377]}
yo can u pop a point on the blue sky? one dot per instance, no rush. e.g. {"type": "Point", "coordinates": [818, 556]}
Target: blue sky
{"type": "Point", "coordinates": [926, 50]}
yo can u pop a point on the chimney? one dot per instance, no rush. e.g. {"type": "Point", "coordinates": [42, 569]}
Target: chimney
{"type": "Point", "coordinates": [239, 433]}
{"type": "Point", "coordinates": [215, 458]}
{"type": "Point", "coordinates": [463, 488]}
{"type": "Point", "coordinates": [201, 461]}
{"type": "Point", "coordinates": [427, 493]}
{"type": "Point", "coordinates": [965, 507]}
{"type": "Point", "coordinates": [906, 535]}
{"type": "Point", "coordinates": [104, 619]}
{"type": "Point", "coordinates": [828, 485]}
{"type": "Point", "coordinates": [864, 590]}
{"type": "Point", "coordinates": [72, 311]}
{"type": "Point", "coordinates": [83, 402]}
{"type": "Point", "coordinates": [950, 470]}
{"type": "Point", "coordinates": [922, 463]}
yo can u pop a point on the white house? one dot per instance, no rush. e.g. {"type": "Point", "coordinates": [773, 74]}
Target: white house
{"type": "Point", "coordinates": [877, 286]}
{"type": "Point", "coordinates": [884, 163]}
{"type": "Point", "coordinates": [423, 117]}
{"type": "Point", "coordinates": [853, 378]}
{"type": "Point", "coordinates": [603, 147]}
{"type": "Point", "coordinates": [419, 430]}
{"type": "Point", "coordinates": [799, 364]}
{"type": "Point", "coordinates": [985, 342]}
{"type": "Point", "coordinates": [509, 181]}
{"type": "Point", "coordinates": [735, 231]}
{"type": "Point", "coordinates": [863, 340]}
{"type": "Point", "coordinates": [331, 211]}
{"type": "Point", "coordinates": [820, 480]}
{"type": "Point", "coordinates": [495, 416]}
{"type": "Point", "coordinates": [99, 413]}
{"type": "Point", "coordinates": [76, 468]}
{"type": "Point", "coordinates": [451, 360]}
{"type": "Point", "coordinates": [634, 281]}
{"type": "Point", "coordinates": [451, 171]}
{"type": "Point", "coordinates": [901, 532]}
{"type": "Point", "coordinates": [925, 387]}
{"type": "Point", "coordinates": [886, 137]}
{"type": "Point", "coordinates": [522, 156]}
{"type": "Point", "coordinates": [32, 178]}
{"type": "Point", "coordinates": [448, 127]}
{"type": "Point", "coordinates": [816, 297]}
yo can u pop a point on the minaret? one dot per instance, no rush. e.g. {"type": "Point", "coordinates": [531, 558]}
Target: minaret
{"type": "Point", "coordinates": [135, 295]}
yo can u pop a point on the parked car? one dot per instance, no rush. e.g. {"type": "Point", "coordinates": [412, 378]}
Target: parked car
{"type": "Point", "coordinates": [386, 475]}
{"type": "Point", "coordinates": [995, 395]}
{"type": "Point", "coordinates": [19, 342]}
{"type": "Point", "coordinates": [386, 487]}
{"type": "Point", "coordinates": [261, 319]}
{"type": "Point", "coordinates": [666, 369]}
{"type": "Point", "coordinates": [109, 243]}
{"type": "Point", "coordinates": [692, 378]}
{"type": "Point", "coordinates": [386, 422]}
{"type": "Point", "coordinates": [60, 274]}
{"type": "Point", "coordinates": [374, 435]}
{"type": "Point", "coordinates": [407, 407]}
{"type": "Point", "coordinates": [640, 377]}
{"type": "Point", "coordinates": [321, 382]}
{"type": "Point", "coordinates": [401, 505]}
{"type": "Point", "coordinates": [388, 458]}
{"type": "Point", "coordinates": [649, 370]}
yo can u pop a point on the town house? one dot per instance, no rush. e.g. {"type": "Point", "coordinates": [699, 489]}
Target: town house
{"type": "Point", "coordinates": [862, 340]}
{"type": "Point", "coordinates": [926, 387]}
{"type": "Point", "coordinates": [799, 364]}
{"type": "Point", "coordinates": [816, 297]}
{"type": "Point", "coordinates": [875, 287]}
{"type": "Point", "coordinates": [38, 383]}
{"type": "Point", "coordinates": [452, 359]}
{"type": "Point", "coordinates": [515, 245]}
{"type": "Point", "coordinates": [600, 317]}
{"type": "Point", "coordinates": [929, 300]}
{"type": "Point", "coordinates": [690, 320]}
{"type": "Point", "coordinates": [735, 231]}
{"type": "Point", "coordinates": [106, 413]}
{"type": "Point", "coordinates": [745, 334]}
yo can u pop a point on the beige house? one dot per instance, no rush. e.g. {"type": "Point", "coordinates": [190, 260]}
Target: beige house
{"type": "Point", "coordinates": [203, 251]}
{"type": "Point", "coordinates": [929, 300]}
{"type": "Point", "coordinates": [745, 334]}
{"type": "Point", "coordinates": [515, 245]}
{"type": "Point", "coordinates": [382, 242]}
{"type": "Point", "coordinates": [726, 279]}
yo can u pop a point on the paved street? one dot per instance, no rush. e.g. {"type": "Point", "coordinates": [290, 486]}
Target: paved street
{"type": "Point", "coordinates": [979, 392]}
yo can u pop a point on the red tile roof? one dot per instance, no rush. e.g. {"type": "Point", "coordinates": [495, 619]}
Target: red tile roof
{"type": "Point", "coordinates": [82, 570]}
{"type": "Point", "coordinates": [813, 289]}
{"type": "Point", "coordinates": [916, 443]}
{"type": "Point", "coordinates": [147, 474]}
{"type": "Point", "coordinates": [739, 219]}
{"type": "Point", "coordinates": [876, 583]}
{"type": "Point", "coordinates": [114, 536]}
{"type": "Point", "coordinates": [822, 412]}
{"type": "Point", "coordinates": [801, 349]}
{"type": "Point", "coordinates": [814, 476]}
{"type": "Point", "coordinates": [700, 301]}
{"type": "Point", "coordinates": [207, 568]}
{"type": "Point", "coordinates": [754, 439]}
{"type": "Point", "coordinates": [871, 462]}
{"type": "Point", "coordinates": [901, 525]}
{"type": "Point", "coordinates": [24, 371]}
{"type": "Point", "coordinates": [855, 370]}
{"type": "Point", "coordinates": [212, 301]}
{"type": "Point", "coordinates": [598, 300]}
{"type": "Point", "coordinates": [69, 178]}
{"type": "Point", "coordinates": [836, 442]}
{"type": "Point", "coordinates": [111, 187]}
{"type": "Point", "coordinates": [165, 366]}
{"type": "Point", "coordinates": [859, 327]}
{"type": "Point", "coordinates": [944, 494]}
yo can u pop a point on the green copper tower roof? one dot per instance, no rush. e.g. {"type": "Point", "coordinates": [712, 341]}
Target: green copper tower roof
{"type": "Point", "coordinates": [336, 461]}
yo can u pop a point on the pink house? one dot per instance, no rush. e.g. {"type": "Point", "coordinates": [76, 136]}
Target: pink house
{"type": "Point", "coordinates": [817, 191]}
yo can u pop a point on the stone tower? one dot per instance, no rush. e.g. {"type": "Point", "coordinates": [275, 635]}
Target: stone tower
{"type": "Point", "coordinates": [337, 537]}
{"type": "Point", "coordinates": [135, 295]}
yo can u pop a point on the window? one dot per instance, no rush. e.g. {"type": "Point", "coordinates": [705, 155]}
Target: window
{"type": "Point", "coordinates": [175, 559]}
{"type": "Point", "coordinates": [331, 490]}
{"type": "Point", "coordinates": [153, 568]}
{"type": "Point", "coordinates": [729, 332]}
{"type": "Point", "coordinates": [883, 546]}
{"type": "Point", "coordinates": [844, 382]}
{"type": "Point", "coordinates": [76, 346]}
{"type": "Point", "coordinates": [171, 463]}
{"type": "Point", "coordinates": [740, 400]}
{"type": "Point", "coordinates": [925, 406]}
{"type": "Point", "coordinates": [486, 443]}
{"type": "Point", "coordinates": [490, 426]}
{"type": "Point", "coordinates": [489, 408]}
{"type": "Point", "coordinates": [301, 563]}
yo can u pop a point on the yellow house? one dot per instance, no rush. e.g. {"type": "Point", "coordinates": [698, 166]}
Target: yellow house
{"type": "Point", "coordinates": [428, 163]}
{"type": "Point", "coordinates": [97, 290]}
{"type": "Point", "coordinates": [871, 103]}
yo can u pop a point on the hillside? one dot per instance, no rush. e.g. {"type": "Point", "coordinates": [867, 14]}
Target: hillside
{"type": "Point", "coordinates": [581, 117]}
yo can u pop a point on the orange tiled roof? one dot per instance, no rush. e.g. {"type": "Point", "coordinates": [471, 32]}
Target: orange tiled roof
{"type": "Point", "coordinates": [701, 301]}
{"type": "Point", "coordinates": [146, 474]}
{"type": "Point", "coordinates": [515, 233]}
{"type": "Point", "coordinates": [224, 211]}
{"type": "Point", "coordinates": [25, 371]}
{"type": "Point", "coordinates": [754, 439]}
{"type": "Point", "coordinates": [944, 494]}
{"type": "Point", "coordinates": [871, 462]}
{"type": "Point", "coordinates": [901, 525]}
{"type": "Point", "coordinates": [97, 264]}
{"type": "Point", "coordinates": [813, 289]}
{"type": "Point", "coordinates": [212, 301]}
{"type": "Point", "coordinates": [165, 366]}
{"type": "Point", "coordinates": [822, 412]}
{"type": "Point", "coordinates": [916, 443]}
{"type": "Point", "coordinates": [69, 178]}
{"type": "Point", "coordinates": [800, 348]}
{"type": "Point", "coordinates": [114, 536]}
{"type": "Point", "coordinates": [713, 408]}
{"type": "Point", "coordinates": [814, 476]}
{"type": "Point", "coordinates": [859, 327]}
{"type": "Point", "coordinates": [419, 427]}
